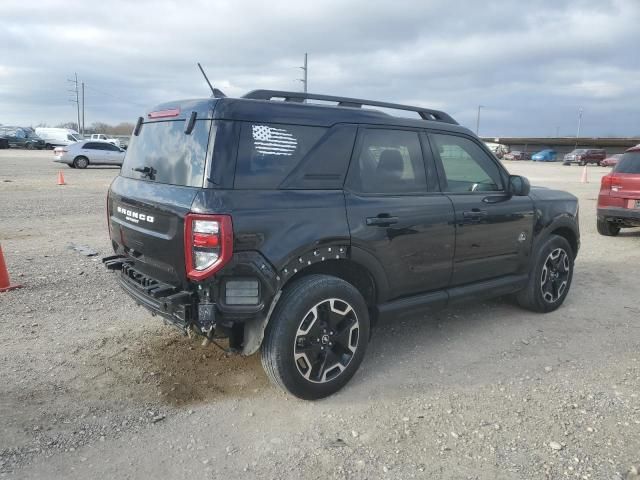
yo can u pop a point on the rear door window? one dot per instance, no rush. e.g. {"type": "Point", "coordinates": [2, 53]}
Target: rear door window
{"type": "Point", "coordinates": [269, 152]}
{"type": "Point", "coordinates": [163, 153]}
{"type": "Point", "coordinates": [629, 163]}
{"type": "Point", "coordinates": [390, 161]}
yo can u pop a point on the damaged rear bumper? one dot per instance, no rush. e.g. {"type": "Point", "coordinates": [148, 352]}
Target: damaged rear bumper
{"type": "Point", "coordinates": [176, 306]}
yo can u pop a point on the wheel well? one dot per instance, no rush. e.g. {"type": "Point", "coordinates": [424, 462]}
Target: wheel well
{"type": "Point", "coordinates": [569, 236]}
{"type": "Point", "coordinates": [347, 270]}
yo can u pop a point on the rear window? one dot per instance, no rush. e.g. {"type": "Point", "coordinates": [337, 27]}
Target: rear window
{"type": "Point", "coordinates": [163, 153]}
{"type": "Point", "coordinates": [269, 152]}
{"type": "Point", "coordinates": [629, 163]}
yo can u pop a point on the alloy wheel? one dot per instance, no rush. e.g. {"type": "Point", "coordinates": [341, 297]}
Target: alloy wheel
{"type": "Point", "coordinates": [555, 275]}
{"type": "Point", "coordinates": [326, 340]}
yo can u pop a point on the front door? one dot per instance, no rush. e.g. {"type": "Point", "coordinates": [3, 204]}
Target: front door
{"type": "Point", "coordinates": [396, 213]}
{"type": "Point", "coordinates": [493, 228]}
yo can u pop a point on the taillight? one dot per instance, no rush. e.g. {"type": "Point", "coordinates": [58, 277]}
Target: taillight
{"type": "Point", "coordinates": [208, 244]}
{"type": "Point", "coordinates": [605, 182]}
{"type": "Point", "coordinates": [578, 157]}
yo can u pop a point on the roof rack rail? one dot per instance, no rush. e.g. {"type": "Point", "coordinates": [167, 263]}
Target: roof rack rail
{"type": "Point", "coordinates": [299, 97]}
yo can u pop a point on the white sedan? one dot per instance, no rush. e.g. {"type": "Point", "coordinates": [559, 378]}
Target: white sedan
{"type": "Point", "coordinates": [89, 152]}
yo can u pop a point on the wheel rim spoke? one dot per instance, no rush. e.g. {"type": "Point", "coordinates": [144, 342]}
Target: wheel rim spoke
{"type": "Point", "coordinates": [555, 275]}
{"type": "Point", "coordinates": [326, 340]}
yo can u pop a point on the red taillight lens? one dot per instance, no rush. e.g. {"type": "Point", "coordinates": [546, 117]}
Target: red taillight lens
{"type": "Point", "coordinates": [208, 244]}
{"type": "Point", "coordinates": [605, 183]}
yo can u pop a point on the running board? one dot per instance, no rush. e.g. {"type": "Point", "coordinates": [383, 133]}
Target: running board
{"type": "Point", "coordinates": [441, 298]}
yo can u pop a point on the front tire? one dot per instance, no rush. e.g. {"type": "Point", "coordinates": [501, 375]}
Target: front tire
{"type": "Point", "coordinates": [607, 228]}
{"type": "Point", "coordinates": [550, 279]}
{"type": "Point", "coordinates": [317, 337]}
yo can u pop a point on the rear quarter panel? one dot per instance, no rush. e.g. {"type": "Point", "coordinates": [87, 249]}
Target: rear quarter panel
{"type": "Point", "coordinates": [280, 224]}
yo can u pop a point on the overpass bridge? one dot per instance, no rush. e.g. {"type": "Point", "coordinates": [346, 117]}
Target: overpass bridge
{"type": "Point", "coordinates": [564, 145]}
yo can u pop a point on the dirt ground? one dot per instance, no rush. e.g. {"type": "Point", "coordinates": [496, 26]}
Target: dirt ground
{"type": "Point", "coordinates": [92, 386]}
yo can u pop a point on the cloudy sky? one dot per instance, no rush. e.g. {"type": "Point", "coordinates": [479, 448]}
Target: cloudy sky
{"type": "Point", "coordinates": [532, 65]}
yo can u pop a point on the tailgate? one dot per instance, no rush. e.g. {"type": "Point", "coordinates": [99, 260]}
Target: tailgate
{"type": "Point", "coordinates": [146, 222]}
{"type": "Point", "coordinates": [626, 186]}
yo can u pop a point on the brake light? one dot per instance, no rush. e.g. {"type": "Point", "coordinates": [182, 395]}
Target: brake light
{"type": "Point", "coordinates": [171, 112]}
{"type": "Point", "coordinates": [578, 157]}
{"type": "Point", "coordinates": [605, 182]}
{"type": "Point", "coordinates": [208, 244]}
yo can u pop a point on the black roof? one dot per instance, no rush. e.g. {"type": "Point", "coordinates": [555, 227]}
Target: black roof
{"type": "Point", "coordinates": [258, 106]}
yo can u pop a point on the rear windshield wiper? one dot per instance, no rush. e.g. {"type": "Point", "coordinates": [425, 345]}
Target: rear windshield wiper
{"type": "Point", "coordinates": [146, 171]}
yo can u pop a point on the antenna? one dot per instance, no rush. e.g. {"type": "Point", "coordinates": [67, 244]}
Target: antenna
{"type": "Point", "coordinates": [215, 93]}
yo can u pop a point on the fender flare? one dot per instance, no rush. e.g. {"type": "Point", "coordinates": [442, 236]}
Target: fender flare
{"type": "Point", "coordinates": [254, 328]}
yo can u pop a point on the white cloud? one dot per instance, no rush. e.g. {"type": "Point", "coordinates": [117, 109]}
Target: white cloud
{"type": "Point", "coordinates": [532, 64]}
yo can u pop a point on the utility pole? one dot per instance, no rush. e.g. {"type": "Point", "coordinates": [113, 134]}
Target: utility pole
{"type": "Point", "coordinates": [478, 120]}
{"type": "Point", "coordinates": [77, 93]}
{"type": "Point", "coordinates": [579, 125]}
{"type": "Point", "coordinates": [305, 69]}
{"type": "Point", "coordinates": [82, 131]}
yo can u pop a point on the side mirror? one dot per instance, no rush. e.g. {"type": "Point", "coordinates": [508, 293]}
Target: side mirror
{"type": "Point", "coordinates": [519, 186]}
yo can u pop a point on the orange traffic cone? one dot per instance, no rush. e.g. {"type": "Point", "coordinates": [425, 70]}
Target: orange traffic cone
{"type": "Point", "coordinates": [60, 178]}
{"type": "Point", "coordinates": [5, 284]}
{"type": "Point", "coordinates": [585, 175]}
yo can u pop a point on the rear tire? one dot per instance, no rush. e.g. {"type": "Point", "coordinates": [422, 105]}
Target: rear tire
{"type": "Point", "coordinates": [317, 337]}
{"type": "Point", "coordinates": [607, 228]}
{"type": "Point", "coordinates": [81, 162]}
{"type": "Point", "coordinates": [550, 278]}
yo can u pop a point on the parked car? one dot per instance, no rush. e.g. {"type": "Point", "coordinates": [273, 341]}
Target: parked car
{"type": "Point", "coordinates": [584, 156]}
{"type": "Point", "coordinates": [89, 152]}
{"type": "Point", "coordinates": [547, 155]}
{"type": "Point", "coordinates": [516, 155]}
{"type": "Point", "coordinates": [19, 137]}
{"type": "Point", "coordinates": [611, 161]}
{"type": "Point", "coordinates": [290, 228]}
{"type": "Point", "coordinates": [104, 138]}
{"type": "Point", "coordinates": [58, 137]}
{"type": "Point", "coordinates": [619, 197]}
{"type": "Point", "coordinates": [497, 149]}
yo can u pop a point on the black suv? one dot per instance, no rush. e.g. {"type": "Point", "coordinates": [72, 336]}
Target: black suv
{"type": "Point", "coordinates": [291, 227]}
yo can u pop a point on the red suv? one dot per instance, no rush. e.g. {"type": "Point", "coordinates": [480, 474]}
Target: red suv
{"type": "Point", "coordinates": [619, 198]}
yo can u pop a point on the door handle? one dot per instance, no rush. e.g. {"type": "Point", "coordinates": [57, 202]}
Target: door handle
{"type": "Point", "coordinates": [474, 216]}
{"type": "Point", "coordinates": [382, 220]}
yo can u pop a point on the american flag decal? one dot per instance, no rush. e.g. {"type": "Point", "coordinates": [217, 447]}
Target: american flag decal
{"type": "Point", "coordinates": [273, 141]}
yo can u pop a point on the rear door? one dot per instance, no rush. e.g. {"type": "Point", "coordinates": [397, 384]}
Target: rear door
{"type": "Point", "coordinates": [93, 151]}
{"type": "Point", "coordinates": [493, 229]}
{"type": "Point", "coordinates": [162, 172]}
{"type": "Point", "coordinates": [396, 213]}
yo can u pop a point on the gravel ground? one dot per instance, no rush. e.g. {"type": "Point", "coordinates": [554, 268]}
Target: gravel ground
{"type": "Point", "coordinates": [94, 387]}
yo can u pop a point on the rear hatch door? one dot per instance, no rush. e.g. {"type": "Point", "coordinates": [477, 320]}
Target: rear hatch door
{"type": "Point", "coordinates": [626, 180]}
{"type": "Point", "coordinates": [163, 171]}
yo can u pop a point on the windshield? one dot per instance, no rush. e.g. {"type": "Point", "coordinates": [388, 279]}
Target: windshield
{"type": "Point", "coordinates": [629, 163]}
{"type": "Point", "coordinates": [163, 153]}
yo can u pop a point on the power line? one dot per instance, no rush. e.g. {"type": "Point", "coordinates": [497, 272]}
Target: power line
{"type": "Point", "coordinates": [114, 96]}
